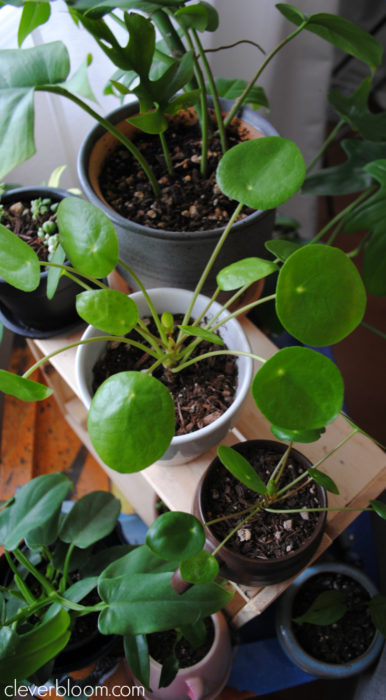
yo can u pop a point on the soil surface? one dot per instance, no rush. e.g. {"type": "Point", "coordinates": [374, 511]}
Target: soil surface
{"type": "Point", "coordinates": [161, 646]}
{"type": "Point", "coordinates": [345, 639]}
{"type": "Point", "coordinates": [202, 392]}
{"type": "Point", "coordinates": [188, 201]}
{"type": "Point", "coordinates": [19, 218]}
{"type": "Point", "coordinates": [266, 535]}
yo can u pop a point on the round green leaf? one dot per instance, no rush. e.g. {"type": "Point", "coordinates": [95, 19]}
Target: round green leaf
{"type": "Point", "coordinates": [24, 389]}
{"type": "Point", "coordinates": [88, 237]}
{"type": "Point", "coordinates": [19, 264]}
{"type": "Point", "coordinates": [298, 389]}
{"type": "Point", "coordinates": [320, 297]}
{"type": "Point", "coordinates": [262, 173]}
{"type": "Point", "coordinates": [201, 568]}
{"type": "Point", "coordinates": [244, 272]}
{"type": "Point", "coordinates": [175, 536]}
{"type": "Point", "coordinates": [241, 469]}
{"type": "Point", "coordinates": [131, 421]}
{"type": "Point", "coordinates": [108, 309]}
{"type": "Point", "coordinates": [90, 519]}
{"type": "Point", "coordinates": [296, 435]}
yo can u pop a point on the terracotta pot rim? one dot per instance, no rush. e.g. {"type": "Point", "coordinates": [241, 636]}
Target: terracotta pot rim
{"type": "Point", "coordinates": [265, 563]}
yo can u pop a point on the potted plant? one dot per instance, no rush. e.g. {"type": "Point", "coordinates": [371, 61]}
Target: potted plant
{"type": "Point", "coordinates": [320, 312]}
{"type": "Point", "coordinates": [57, 579]}
{"type": "Point", "coordinates": [264, 506]}
{"type": "Point", "coordinates": [165, 78]}
{"type": "Point", "coordinates": [49, 308]}
{"type": "Point", "coordinates": [331, 621]}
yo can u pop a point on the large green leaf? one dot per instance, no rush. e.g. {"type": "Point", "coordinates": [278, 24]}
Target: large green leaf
{"type": "Point", "coordinates": [296, 435]}
{"type": "Point", "coordinates": [45, 534]}
{"type": "Point", "coordinates": [241, 469]}
{"type": "Point", "coordinates": [24, 389]}
{"type": "Point", "coordinates": [340, 32]}
{"type": "Point", "coordinates": [298, 389]}
{"type": "Point", "coordinates": [373, 210]}
{"type": "Point", "coordinates": [108, 309]}
{"type": "Point", "coordinates": [175, 536]}
{"type": "Point", "coordinates": [139, 561]}
{"type": "Point", "coordinates": [21, 71]}
{"type": "Point", "coordinates": [269, 171]}
{"type": "Point", "coordinates": [88, 237]}
{"type": "Point", "coordinates": [19, 264]}
{"type": "Point", "coordinates": [349, 177]}
{"type": "Point", "coordinates": [90, 519]}
{"type": "Point", "coordinates": [122, 424]}
{"type": "Point", "coordinates": [243, 272]}
{"type": "Point", "coordinates": [320, 297]}
{"type": "Point", "coordinates": [200, 16]}
{"type": "Point", "coordinates": [354, 110]}
{"type": "Point", "coordinates": [143, 603]}
{"type": "Point", "coordinates": [23, 654]}
{"type": "Point", "coordinates": [137, 657]}
{"type": "Point", "coordinates": [33, 505]}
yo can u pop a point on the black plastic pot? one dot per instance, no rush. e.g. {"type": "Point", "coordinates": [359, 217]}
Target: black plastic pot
{"type": "Point", "coordinates": [32, 314]}
{"type": "Point", "coordinates": [172, 258]}
{"type": "Point", "coordinates": [259, 572]}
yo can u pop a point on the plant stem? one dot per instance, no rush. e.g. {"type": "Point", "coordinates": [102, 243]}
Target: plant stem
{"type": "Point", "coordinates": [267, 60]}
{"type": "Point", "coordinates": [242, 310]}
{"type": "Point", "coordinates": [342, 214]}
{"type": "Point", "coordinates": [209, 265]}
{"type": "Point", "coordinates": [45, 584]}
{"type": "Point", "coordinates": [22, 586]}
{"type": "Point", "coordinates": [213, 92]}
{"type": "Point", "coordinates": [203, 107]}
{"type": "Point", "coordinates": [325, 145]}
{"type": "Point", "coordinates": [166, 154]}
{"type": "Point", "coordinates": [69, 271]}
{"type": "Point", "coordinates": [278, 471]}
{"type": "Point", "coordinates": [374, 330]}
{"type": "Point", "coordinates": [63, 582]}
{"type": "Point", "coordinates": [237, 527]}
{"type": "Point", "coordinates": [135, 152]}
{"type": "Point", "coordinates": [204, 356]}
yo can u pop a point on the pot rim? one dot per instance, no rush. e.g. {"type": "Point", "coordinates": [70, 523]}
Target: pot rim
{"type": "Point", "coordinates": [242, 388]}
{"type": "Point", "coordinates": [241, 559]}
{"type": "Point", "coordinates": [283, 620]}
{"type": "Point", "coordinates": [117, 115]}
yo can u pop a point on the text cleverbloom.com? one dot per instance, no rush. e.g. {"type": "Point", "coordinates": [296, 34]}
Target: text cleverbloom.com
{"type": "Point", "coordinates": [67, 690]}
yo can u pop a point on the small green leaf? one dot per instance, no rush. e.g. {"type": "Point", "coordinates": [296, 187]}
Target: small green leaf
{"type": "Point", "coordinates": [195, 634]}
{"type": "Point", "coordinates": [269, 171]}
{"type": "Point", "coordinates": [108, 309]}
{"type": "Point", "coordinates": [167, 321]}
{"type": "Point", "coordinates": [244, 272]}
{"type": "Point", "coordinates": [24, 389]}
{"type": "Point", "coordinates": [152, 122]}
{"type": "Point", "coordinates": [121, 421]}
{"type": "Point", "coordinates": [355, 111]}
{"type": "Point", "coordinates": [90, 519]}
{"type": "Point", "coordinates": [198, 332]}
{"type": "Point", "coordinates": [374, 262]}
{"type": "Point", "coordinates": [323, 480]}
{"type": "Point", "coordinates": [170, 668]}
{"type": "Point", "coordinates": [79, 82]}
{"type": "Point", "coordinates": [200, 568]}
{"type": "Point", "coordinates": [137, 657]}
{"type": "Point", "coordinates": [320, 296]}
{"type": "Point", "coordinates": [88, 237]}
{"type": "Point", "coordinates": [291, 13]}
{"type": "Point", "coordinates": [34, 14]}
{"type": "Point", "coordinates": [282, 249]}
{"type": "Point", "coordinates": [298, 389]}
{"type": "Point", "coordinates": [54, 273]}
{"type": "Point", "coordinates": [200, 16]}
{"type": "Point", "coordinates": [379, 507]}
{"type": "Point", "coordinates": [175, 536]}
{"type": "Point", "coordinates": [327, 608]}
{"type": "Point", "coordinates": [297, 435]}
{"type": "Point", "coordinates": [377, 607]}
{"type": "Point", "coordinates": [19, 264]}
{"type": "Point", "coordinates": [241, 469]}
{"type": "Point", "coordinates": [232, 88]}
{"type": "Point", "coordinates": [373, 210]}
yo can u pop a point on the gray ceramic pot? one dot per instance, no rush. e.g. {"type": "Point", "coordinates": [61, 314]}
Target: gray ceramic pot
{"type": "Point", "coordinates": [290, 644]}
{"type": "Point", "coordinates": [32, 313]}
{"type": "Point", "coordinates": [173, 258]}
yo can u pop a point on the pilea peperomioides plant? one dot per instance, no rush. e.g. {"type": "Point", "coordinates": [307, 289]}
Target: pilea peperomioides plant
{"type": "Point", "coordinates": [319, 298]}
{"type": "Point", "coordinates": [55, 559]}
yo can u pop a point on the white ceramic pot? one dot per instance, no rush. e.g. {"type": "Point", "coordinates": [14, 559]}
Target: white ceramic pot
{"type": "Point", "coordinates": [204, 680]}
{"type": "Point", "coordinates": [183, 448]}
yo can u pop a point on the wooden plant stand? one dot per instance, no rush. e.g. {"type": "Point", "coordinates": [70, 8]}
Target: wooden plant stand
{"type": "Point", "coordinates": [358, 468]}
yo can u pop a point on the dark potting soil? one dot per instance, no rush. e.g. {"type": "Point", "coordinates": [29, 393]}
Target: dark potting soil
{"type": "Point", "coordinates": [266, 535]}
{"type": "Point", "coordinates": [188, 202]}
{"type": "Point", "coordinates": [161, 646]}
{"type": "Point", "coordinates": [344, 640]}
{"type": "Point", "coordinates": [201, 392]}
{"type": "Point", "coordinates": [19, 218]}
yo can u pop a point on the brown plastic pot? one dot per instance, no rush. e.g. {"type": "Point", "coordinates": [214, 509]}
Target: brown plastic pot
{"type": "Point", "coordinates": [259, 572]}
{"type": "Point", "coordinates": [164, 258]}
